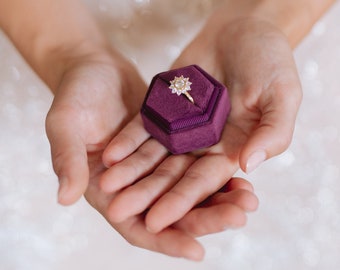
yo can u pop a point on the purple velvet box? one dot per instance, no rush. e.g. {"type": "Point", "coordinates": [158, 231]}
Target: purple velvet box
{"type": "Point", "coordinates": [176, 122]}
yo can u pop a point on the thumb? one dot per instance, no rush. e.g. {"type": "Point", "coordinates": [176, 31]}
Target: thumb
{"type": "Point", "coordinates": [274, 133]}
{"type": "Point", "coordinates": [69, 158]}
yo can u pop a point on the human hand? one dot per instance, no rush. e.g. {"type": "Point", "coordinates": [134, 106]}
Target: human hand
{"type": "Point", "coordinates": [225, 209]}
{"type": "Point", "coordinates": [90, 106]}
{"type": "Point", "coordinates": [254, 60]}
{"type": "Point", "coordinates": [97, 94]}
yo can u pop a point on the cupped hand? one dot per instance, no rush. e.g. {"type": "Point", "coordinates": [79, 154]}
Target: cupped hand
{"type": "Point", "coordinates": [222, 210]}
{"type": "Point", "coordinates": [96, 97]}
{"type": "Point", "coordinates": [254, 60]}
{"type": "Point", "coordinates": [97, 94]}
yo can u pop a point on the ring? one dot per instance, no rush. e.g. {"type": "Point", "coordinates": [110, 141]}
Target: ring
{"type": "Point", "coordinates": [181, 85]}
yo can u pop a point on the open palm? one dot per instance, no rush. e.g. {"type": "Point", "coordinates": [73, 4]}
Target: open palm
{"type": "Point", "coordinates": [95, 99]}
{"type": "Point", "coordinates": [255, 61]}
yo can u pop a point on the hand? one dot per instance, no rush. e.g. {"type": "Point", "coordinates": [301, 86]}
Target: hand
{"type": "Point", "coordinates": [98, 93]}
{"type": "Point", "coordinates": [255, 61]}
{"type": "Point", "coordinates": [96, 97]}
{"type": "Point", "coordinates": [224, 209]}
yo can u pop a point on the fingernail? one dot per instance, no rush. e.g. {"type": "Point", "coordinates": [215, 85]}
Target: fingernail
{"type": "Point", "coordinates": [255, 160]}
{"type": "Point", "coordinates": [63, 184]}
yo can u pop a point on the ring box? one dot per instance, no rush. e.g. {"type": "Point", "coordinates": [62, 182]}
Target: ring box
{"type": "Point", "coordinates": [180, 125]}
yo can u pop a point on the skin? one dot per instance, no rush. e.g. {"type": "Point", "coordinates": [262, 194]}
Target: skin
{"type": "Point", "coordinates": [97, 92]}
{"type": "Point", "coordinates": [265, 93]}
{"type": "Point", "coordinates": [75, 122]}
{"type": "Point", "coordinates": [94, 85]}
{"type": "Point", "coordinates": [253, 57]}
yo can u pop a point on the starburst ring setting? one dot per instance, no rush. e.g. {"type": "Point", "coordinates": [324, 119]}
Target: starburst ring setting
{"type": "Point", "coordinates": [181, 85]}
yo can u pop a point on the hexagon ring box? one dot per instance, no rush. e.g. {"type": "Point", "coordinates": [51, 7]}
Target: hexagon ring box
{"type": "Point", "coordinates": [185, 109]}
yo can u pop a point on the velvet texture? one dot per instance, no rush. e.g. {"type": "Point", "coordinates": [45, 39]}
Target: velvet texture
{"type": "Point", "coordinates": [178, 124]}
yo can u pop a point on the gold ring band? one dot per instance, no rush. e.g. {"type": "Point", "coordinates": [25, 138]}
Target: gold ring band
{"type": "Point", "coordinates": [189, 97]}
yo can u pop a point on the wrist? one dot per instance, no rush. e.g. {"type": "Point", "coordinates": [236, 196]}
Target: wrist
{"type": "Point", "coordinates": [50, 34]}
{"type": "Point", "coordinates": [293, 18]}
{"type": "Point", "coordinates": [52, 62]}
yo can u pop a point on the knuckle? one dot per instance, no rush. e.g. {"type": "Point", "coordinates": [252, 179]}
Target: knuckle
{"type": "Point", "coordinates": [127, 140]}
{"type": "Point", "coordinates": [194, 176]}
{"type": "Point", "coordinates": [182, 199]}
{"type": "Point", "coordinates": [164, 173]}
{"type": "Point", "coordinates": [145, 154]}
{"type": "Point", "coordinates": [161, 173]}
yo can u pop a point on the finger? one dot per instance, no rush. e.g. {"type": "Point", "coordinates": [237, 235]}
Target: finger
{"type": "Point", "coordinates": [69, 158]}
{"type": "Point", "coordinates": [237, 183]}
{"type": "Point", "coordinates": [125, 142]}
{"type": "Point", "coordinates": [216, 218]}
{"type": "Point", "coordinates": [171, 241]}
{"type": "Point", "coordinates": [241, 198]}
{"type": "Point", "coordinates": [204, 177]}
{"type": "Point", "coordinates": [274, 132]}
{"type": "Point", "coordinates": [146, 191]}
{"type": "Point", "coordinates": [139, 164]}
{"type": "Point", "coordinates": [224, 209]}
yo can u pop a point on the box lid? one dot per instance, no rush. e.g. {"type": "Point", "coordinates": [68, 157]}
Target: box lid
{"type": "Point", "coordinates": [173, 112]}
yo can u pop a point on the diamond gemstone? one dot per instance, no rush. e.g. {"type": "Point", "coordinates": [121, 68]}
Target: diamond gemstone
{"type": "Point", "coordinates": [180, 85]}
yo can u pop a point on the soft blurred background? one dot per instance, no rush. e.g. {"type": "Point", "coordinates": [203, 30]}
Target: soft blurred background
{"type": "Point", "coordinates": [297, 225]}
